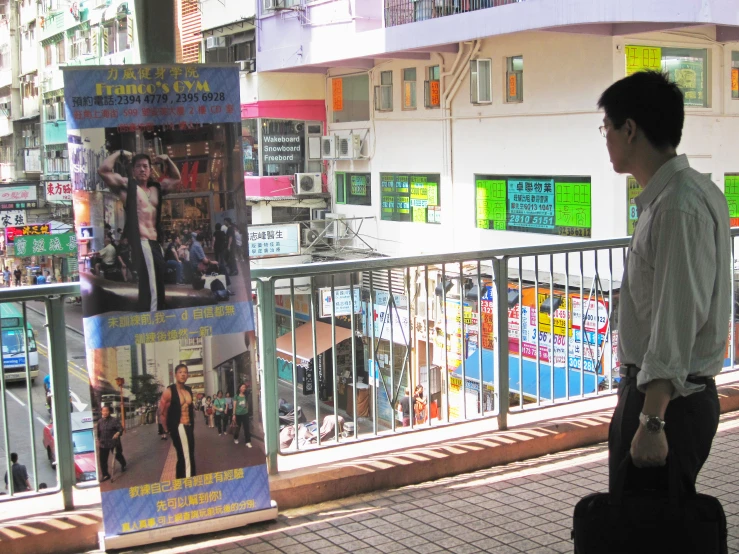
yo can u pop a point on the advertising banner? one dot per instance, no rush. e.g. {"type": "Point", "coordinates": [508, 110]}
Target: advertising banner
{"type": "Point", "coordinates": [18, 197]}
{"type": "Point", "coordinates": [26, 230]}
{"type": "Point", "coordinates": [58, 191]}
{"type": "Point", "coordinates": [342, 300]}
{"type": "Point", "coordinates": [46, 245]}
{"type": "Point", "coordinates": [166, 293]}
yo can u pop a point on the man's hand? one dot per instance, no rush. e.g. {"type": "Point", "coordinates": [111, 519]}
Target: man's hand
{"type": "Point", "coordinates": [649, 449]}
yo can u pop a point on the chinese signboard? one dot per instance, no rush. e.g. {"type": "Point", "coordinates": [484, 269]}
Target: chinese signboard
{"type": "Point", "coordinates": [643, 58]}
{"type": "Point", "coordinates": [59, 191]}
{"type": "Point", "coordinates": [38, 229]}
{"type": "Point", "coordinates": [633, 189]}
{"type": "Point", "coordinates": [144, 96]}
{"type": "Point", "coordinates": [337, 94]}
{"type": "Point", "coordinates": [12, 217]}
{"type": "Point", "coordinates": [46, 245]}
{"type": "Point", "coordinates": [18, 197]}
{"type": "Point", "coordinates": [409, 197]}
{"type": "Point", "coordinates": [731, 190]}
{"type": "Point", "coordinates": [550, 205]}
{"type": "Point", "coordinates": [343, 301]}
{"type": "Point", "coordinates": [269, 241]}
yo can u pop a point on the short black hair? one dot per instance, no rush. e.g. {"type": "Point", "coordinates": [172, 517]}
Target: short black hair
{"type": "Point", "coordinates": [654, 102]}
{"type": "Point", "coordinates": [181, 365]}
{"type": "Point", "coordinates": [138, 157]}
{"type": "Point", "coordinates": [13, 457]}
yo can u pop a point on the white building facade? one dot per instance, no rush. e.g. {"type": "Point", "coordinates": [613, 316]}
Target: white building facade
{"type": "Point", "coordinates": [478, 129]}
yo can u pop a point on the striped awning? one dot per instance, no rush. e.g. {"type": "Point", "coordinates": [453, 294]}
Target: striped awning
{"type": "Point", "coordinates": [53, 39]}
{"type": "Point", "coordinates": [84, 26]}
{"type": "Point", "coordinates": [53, 93]}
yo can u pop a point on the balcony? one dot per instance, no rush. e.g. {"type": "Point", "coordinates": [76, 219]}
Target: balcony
{"type": "Point", "coordinates": [400, 12]}
{"type": "Point", "coordinates": [55, 132]}
{"type": "Point", "coordinates": [7, 172]}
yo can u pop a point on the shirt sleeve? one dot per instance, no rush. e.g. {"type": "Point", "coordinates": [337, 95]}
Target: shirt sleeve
{"type": "Point", "coordinates": [684, 275]}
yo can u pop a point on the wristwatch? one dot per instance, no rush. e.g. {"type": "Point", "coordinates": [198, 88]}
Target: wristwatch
{"type": "Point", "coordinates": [653, 424]}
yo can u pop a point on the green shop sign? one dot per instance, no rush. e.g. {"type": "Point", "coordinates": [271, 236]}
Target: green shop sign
{"type": "Point", "coordinates": [46, 245]}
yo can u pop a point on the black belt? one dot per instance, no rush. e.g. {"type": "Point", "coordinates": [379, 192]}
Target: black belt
{"type": "Point", "coordinates": [630, 370]}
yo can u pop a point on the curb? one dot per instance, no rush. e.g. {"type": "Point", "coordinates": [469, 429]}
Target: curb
{"type": "Point", "coordinates": [58, 533]}
{"type": "Point", "coordinates": [400, 468]}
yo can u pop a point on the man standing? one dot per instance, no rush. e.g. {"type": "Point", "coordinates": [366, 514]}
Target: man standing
{"type": "Point", "coordinates": [231, 246]}
{"type": "Point", "coordinates": [675, 294]}
{"type": "Point", "coordinates": [6, 277]}
{"type": "Point", "coordinates": [143, 215]}
{"type": "Point", "coordinates": [177, 415]}
{"type": "Point", "coordinates": [17, 274]}
{"type": "Point", "coordinates": [109, 433]}
{"type": "Point", "coordinates": [405, 405]}
{"type": "Point", "coordinates": [20, 475]}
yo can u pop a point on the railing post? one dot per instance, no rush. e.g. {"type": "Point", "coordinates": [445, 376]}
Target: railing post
{"type": "Point", "coordinates": [56, 332]}
{"type": "Point", "coordinates": [502, 377]}
{"type": "Point", "coordinates": [268, 356]}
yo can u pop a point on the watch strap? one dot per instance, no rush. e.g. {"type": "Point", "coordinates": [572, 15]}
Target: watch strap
{"type": "Point", "coordinates": [653, 424]}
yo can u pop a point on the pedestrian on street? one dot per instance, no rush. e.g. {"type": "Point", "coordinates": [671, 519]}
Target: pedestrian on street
{"type": "Point", "coordinates": [675, 296]}
{"type": "Point", "coordinates": [109, 434]}
{"type": "Point", "coordinates": [21, 482]}
{"type": "Point", "coordinates": [241, 415]}
{"type": "Point", "coordinates": [219, 405]}
{"type": "Point", "coordinates": [6, 277]}
{"type": "Point", "coordinates": [17, 274]}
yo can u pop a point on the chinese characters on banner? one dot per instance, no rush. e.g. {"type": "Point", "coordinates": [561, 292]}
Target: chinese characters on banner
{"type": "Point", "coordinates": [266, 241]}
{"type": "Point", "coordinates": [337, 94]}
{"type": "Point", "coordinates": [182, 325]}
{"type": "Point", "coordinates": [46, 245]}
{"type": "Point", "coordinates": [10, 218]}
{"type": "Point", "coordinates": [643, 58]}
{"type": "Point", "coordinates": [37, 229]}
{"type": "Point", "coordinates": [549, 205]}
{"type": "Point", "coordinates": [58, 191]}
{"type": "Point", "coordinates": [18, 197]}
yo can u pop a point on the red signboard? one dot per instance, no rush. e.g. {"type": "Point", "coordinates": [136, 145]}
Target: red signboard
{"type": "Point", "coordinates": [38, 229]}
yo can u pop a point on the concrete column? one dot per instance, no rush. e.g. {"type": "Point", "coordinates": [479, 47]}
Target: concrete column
{"type": "Point", "coordinates": [156, 27]}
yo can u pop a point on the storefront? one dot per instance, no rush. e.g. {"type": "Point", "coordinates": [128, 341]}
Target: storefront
{"type": "Point", "coordinates": [280, 140]}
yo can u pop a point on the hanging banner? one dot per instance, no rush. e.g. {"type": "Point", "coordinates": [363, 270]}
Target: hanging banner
{"type": "Point", "coordinates": [18, 197]}
{"type": "Point", "coordinates": [167, 300]}
{"type": "Point", "coordinates": [61, 244]}
{"type": "Point", "coordinates": [58, 191]}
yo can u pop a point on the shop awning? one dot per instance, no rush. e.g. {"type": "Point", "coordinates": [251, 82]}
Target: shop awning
{"type": "Point", "coordinates": [472, 366]}
{"type": "Point", "coordinates": [304, 341]}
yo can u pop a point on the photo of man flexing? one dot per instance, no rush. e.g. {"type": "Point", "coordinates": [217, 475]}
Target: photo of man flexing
{"type": "Point", "coordinates": [143, 218]}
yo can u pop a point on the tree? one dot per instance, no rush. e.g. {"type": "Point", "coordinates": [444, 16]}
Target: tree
{"type": "Point", "coordinates": [146, 388]}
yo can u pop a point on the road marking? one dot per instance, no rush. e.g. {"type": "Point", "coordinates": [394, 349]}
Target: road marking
{"type": "Point", "coordinates": [41, 421]}
{"type": "Point", "coordinates": [14, 397]}
{"type": "Point", "coordinates": [74, 369]}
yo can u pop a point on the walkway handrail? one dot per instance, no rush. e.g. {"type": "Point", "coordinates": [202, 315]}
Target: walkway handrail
{"type": "Point", "coordinates": [374, 264]}
{"type": "Point", "coordinates": [38, 292]}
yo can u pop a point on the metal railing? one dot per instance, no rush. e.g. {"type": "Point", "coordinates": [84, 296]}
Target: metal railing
{"type": "Point", "coordinates": [53, 298]}
{"type": "Point", "coordinates": [399, 12]}
{"type": "Point", "coordinates": [484, 333]}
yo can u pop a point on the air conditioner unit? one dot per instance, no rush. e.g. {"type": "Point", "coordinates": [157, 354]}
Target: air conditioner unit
{"type": "Point", "coordinates": [215, 42]}
{"type": "Point", "coordinates": [336, 226]}
{"type": "Point", "coordinates": [250, 65]}
{"type": "Point", "coordinates": [307, 183]}
{"type": "Point", "coordinates": [318, 214]}
{"type": "Point", "coordinates": [349, 148]}
{"type": "Point", "coordinates": [328, 147]}
{"type": "Point", "coordinates": [311, 238]}
{"type": "Point", "coordinates": [274, 4]}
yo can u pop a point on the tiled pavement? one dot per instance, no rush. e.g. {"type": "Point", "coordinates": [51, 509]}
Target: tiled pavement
{"type": "Point", "coordinates": [521, 507]}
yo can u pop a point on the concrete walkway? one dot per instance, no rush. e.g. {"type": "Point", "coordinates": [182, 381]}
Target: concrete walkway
{"type": "Point", "coordinates": [519, 507]}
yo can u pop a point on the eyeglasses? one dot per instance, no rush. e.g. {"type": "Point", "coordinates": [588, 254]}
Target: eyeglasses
{"type": "Point", "coordinates": [603, 130]}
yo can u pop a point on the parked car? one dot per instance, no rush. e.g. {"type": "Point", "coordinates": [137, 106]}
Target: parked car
{"type": "Point", "coordinates": [83, 441]}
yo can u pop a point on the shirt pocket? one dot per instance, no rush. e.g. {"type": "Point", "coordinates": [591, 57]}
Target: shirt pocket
{"type": "Point", "coordinates": [641, 281]}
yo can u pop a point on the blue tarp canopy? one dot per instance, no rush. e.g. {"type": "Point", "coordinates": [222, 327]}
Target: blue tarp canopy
{"type": "Point", "coordinates": [472, 366]}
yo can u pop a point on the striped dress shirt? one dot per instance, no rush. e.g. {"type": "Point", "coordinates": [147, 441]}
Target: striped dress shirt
{"type": "Point", "coordinates": [675, 299]}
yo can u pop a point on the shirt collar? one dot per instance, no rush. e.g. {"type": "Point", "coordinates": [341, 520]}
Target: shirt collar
{"type": "Point", "coordinates": [659, 180]}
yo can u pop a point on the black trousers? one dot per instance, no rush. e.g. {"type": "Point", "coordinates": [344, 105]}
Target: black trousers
{"type": "Point", "coordinates": [220, 422]}
{"type": "Point", "coordinates": [183, 440]}
{"type": "Point", "coordinates": [242, 421]}
{"type": "Point", "coordinates": [104, 455]}
{"type": "Point", "coordinates": [690, 425]}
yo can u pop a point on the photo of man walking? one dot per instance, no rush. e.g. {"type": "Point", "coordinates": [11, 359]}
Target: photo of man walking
{"type": "Point", "coordinates": [109, 435]}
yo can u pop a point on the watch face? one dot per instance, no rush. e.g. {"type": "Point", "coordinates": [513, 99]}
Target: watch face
{"type": "Point", "coordinates": [654, 425]}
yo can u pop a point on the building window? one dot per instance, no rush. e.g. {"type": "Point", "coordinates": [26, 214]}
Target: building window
{"type": "Point", "coordinates": [117, 36]}
{"type": "Point", "coordinates": [57, 161]}
{"type": "Point", "coordinates": [54, 108]}
{"type": "Point", "coordinates": [432, 88]}
{"type": "Point", "coordinates": [30, 88]}
{"type": "Point", "coordinates": [550, 205]}
{"type": "Point", "coordinates": [29, 37]}
{"type": "Point", "coordinates": [6, 154]}
{"type": "Point", "coordinates": [409, 89]}
{"type": "Point", "coordinates": [269, 5]}
{"type": "Point", "coordinates": [282, 147]}
{"type": "Point", "coordinates": [48, 55]}
{"type": "Point", "coordinates": [80, 45]}
{"type": "Point", "coordinates": [481, 88]}
{"type": "Point", "coordinates": [229, 49]}
{"type": "Point", "coordinates": [353, 188]}
{"type": "Point", "coordinates": [250, 146]}
{"type": "Point", "coordinates": [514, 79]}
{"type": "Point", "coordinates": [735, 75]}
{"type": "Point", "coordinates": [410, 197]}
{"type": "Point", "coordinates": [60, 52]}
{"type": "Point", "coordinates": [350, 100]}
{"type": "Point", "coordinates": [30, 135]}
{"type": "Point", "coordinates": [686, 67]}
{"type": "Point", "coordinates": [384, 93]}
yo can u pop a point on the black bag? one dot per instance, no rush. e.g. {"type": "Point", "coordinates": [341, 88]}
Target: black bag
{"type": "Point", "coordinates": [635, 522]}
{"type": "Point", "coordinates": [218, 290]}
